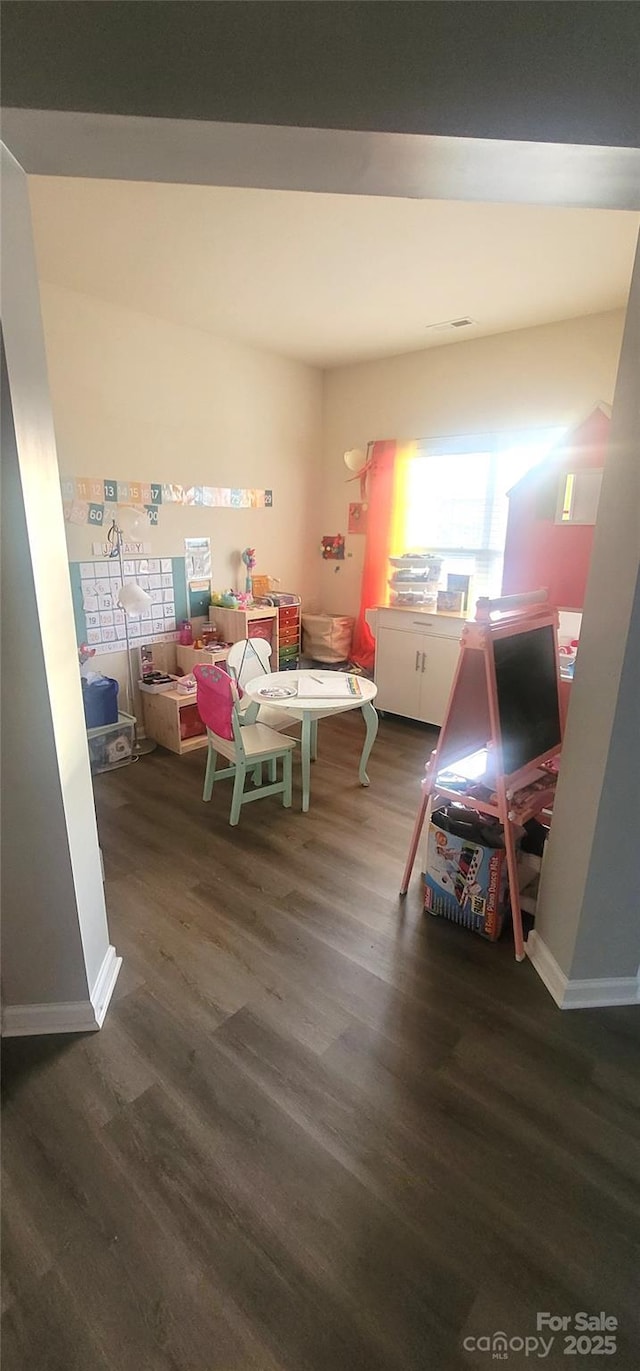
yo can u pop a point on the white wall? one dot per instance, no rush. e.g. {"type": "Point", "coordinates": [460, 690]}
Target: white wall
{"type": "Point", "coordinates": [136, 397]}
{"type": "Point", "coordinates": [548, 375]}
{"type": "Point", "coordinates": [55, 935]}
{"type": "Point", "coordinates": [41, 959]}
{"type": "Point", "coordinates": [589, 906]}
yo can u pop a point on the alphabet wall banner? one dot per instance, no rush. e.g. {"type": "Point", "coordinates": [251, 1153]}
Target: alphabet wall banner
{"type": "Point", "coordinates": [93, 500]}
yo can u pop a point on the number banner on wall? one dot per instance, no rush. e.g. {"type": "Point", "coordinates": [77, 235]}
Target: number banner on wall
{"type": "Point", "coordinates": [89, 500]}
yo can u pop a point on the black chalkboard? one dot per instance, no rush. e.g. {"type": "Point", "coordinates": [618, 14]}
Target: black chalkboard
{"type": "Point", "coordinates": [528, 704]}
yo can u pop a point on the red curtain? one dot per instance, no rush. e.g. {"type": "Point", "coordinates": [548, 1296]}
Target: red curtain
{"type": "Point", "coordinates": [381, 492]}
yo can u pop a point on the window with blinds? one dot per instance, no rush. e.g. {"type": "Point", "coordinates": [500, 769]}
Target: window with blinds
{"type": "Point", "coordinates": [456, 499]}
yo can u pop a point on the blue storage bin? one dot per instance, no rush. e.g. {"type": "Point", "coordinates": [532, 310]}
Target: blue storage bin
{"type": "Point", "coordinates": [100, 699]}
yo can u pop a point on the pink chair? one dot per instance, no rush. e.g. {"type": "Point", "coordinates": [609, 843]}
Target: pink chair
{"type": "Point", "coordinates": [245, 744]}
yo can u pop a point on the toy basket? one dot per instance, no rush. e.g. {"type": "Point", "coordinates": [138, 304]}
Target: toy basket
{"type": "Point", "coordinates": [327, 637]}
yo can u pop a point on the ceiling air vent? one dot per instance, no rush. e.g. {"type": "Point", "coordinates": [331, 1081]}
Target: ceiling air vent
{"type": "Point", "coordinates": [449, 324]}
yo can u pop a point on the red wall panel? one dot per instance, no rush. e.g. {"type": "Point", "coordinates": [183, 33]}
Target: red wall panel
{"type": "Point", "coordinates": [539, 552]}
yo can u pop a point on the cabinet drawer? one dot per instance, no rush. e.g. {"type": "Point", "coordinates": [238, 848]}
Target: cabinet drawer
{"type": "Point", "coordinates": [289, 635]}
{"type": "Point", "coordinates": [261, 628]}
{"type": "Point", "coordinates": [413, 621]}
{"type": "Point", "coordinates": [191, 725]}
{"type": "Point", "coordinates": [290, 614]}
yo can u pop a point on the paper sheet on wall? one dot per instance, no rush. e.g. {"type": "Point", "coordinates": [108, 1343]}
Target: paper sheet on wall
{"type": "Point", "coordinates": [197, 552]}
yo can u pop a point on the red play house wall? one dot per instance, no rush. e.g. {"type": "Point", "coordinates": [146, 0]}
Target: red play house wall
{"type": "Point", "coordinates": [538, 551]}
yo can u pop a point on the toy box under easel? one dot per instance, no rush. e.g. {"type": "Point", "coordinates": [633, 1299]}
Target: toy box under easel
{"type": "Point", "coordinates": [465, 870]}
{"type": "Point", "coordinates": [502, 732]}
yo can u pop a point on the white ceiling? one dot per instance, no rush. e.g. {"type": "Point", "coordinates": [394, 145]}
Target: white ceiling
{"type": "Point", "coordinates": [328, 279]}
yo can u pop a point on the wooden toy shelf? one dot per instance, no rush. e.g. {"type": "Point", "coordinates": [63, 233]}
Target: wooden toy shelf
{"type": "Point", "coordinates": [235, 624]}
{"type": "Point", "coordinates": [279, 622]}
{"type": "Point", "coordinates": [162, 721]}
{"type": "Point", "coordinates": [188, 657]}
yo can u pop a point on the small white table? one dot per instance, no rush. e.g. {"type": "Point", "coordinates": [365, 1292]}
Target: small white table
{"type": "Point", "coordinates": [308, 711]}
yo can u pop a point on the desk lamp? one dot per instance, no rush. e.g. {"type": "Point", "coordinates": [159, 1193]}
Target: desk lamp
{"type": "Point", "coordinates": [132, 599]}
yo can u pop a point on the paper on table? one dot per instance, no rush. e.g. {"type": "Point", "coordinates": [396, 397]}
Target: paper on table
{"type": "Point", "coordinates": [335, 685]}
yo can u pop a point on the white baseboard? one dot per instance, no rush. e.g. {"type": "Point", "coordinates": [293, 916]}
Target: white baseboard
{"type": "Point", "coordinates": [546, 967]}
{"type": "Point", "coordinates": [75, 1016]}
{"type": "Point", "coordinates": [105, 984]}
{"type": "Point", "coordinates": [602, 993]}
{"type": "Point", "coordinates": [590, 994]}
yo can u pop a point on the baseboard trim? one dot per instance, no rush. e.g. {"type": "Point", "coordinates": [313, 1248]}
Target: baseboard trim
{"type": "Point", "coordinates": [546, 966]}
{"type": "Point", "coordinates": [600, 993]}
{"type": "Point", "coordinates": [105, 984]}
{"type": "Point", "coordinates": [74, 1016]}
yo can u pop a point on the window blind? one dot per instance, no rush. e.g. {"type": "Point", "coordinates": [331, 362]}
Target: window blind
{"type": "Point", "coordinates": [457, 501]}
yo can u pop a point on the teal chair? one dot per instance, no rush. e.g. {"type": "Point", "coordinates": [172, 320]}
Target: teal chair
{"type": "Point", "coordinates": [247, 745]}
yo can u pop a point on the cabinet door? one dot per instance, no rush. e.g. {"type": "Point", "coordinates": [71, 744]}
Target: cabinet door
{"type": "Point", "coordinates": [438, 659]}
{"type": "Point", "coordinates": [398, 672]}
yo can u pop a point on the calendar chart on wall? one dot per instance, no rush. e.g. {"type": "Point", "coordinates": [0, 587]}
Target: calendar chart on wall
{"type": "Point", "coordinates": [95, 586]}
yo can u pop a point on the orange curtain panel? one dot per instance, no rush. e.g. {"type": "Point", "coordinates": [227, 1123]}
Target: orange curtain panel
{"type": "Point", "coordinates": [387, 496]}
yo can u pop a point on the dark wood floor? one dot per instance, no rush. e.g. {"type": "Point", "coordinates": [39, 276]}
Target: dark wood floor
{"type": "Point", "coordinates": [318, 1131]}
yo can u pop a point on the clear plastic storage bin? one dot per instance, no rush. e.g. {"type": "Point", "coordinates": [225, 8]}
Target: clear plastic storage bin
{"type": "Point", "coordinates": [111, 745]}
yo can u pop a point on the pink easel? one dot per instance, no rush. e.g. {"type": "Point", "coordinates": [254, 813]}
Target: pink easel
{"type": "Point", "coordinates": [473, 725]}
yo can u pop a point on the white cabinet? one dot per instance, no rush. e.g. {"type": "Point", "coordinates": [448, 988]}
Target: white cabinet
{"type": "Point", "coordinates": [398, 675]}
{"type": "Point", "coordinates": [416, 656]}
{"type": "Point", "coordinates": [440, 660]}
